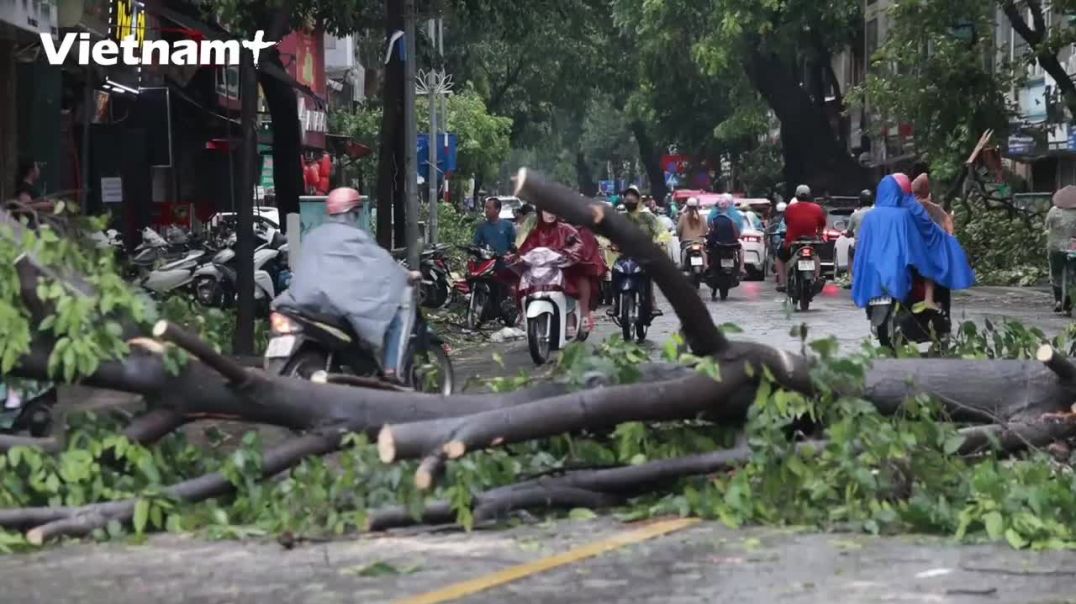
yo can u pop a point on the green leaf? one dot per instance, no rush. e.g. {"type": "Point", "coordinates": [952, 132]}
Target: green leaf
{"type": "Point", "coordinates": [582, 514]}
{"type": "Point", "coordinates": [1015, 539]}
{"type": "Point", "coordinates": [994, 524]}
{"type": "Point", "coordinates": [141, 515]}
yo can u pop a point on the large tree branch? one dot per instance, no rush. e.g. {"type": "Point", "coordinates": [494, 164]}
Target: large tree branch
{"type": "Point", "coordinates": [704, 337]}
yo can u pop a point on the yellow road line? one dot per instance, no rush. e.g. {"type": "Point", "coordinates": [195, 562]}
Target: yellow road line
{"type": "Point", "coordinates": [514, 573]}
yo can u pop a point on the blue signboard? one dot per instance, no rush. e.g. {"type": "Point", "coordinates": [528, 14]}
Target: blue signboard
{"type": "Point", "coordinates": [607, 186]}
{"type": "Point", "coordinates": [1072, 138]}
{"type": "Point", "coordinates": [1021, 145]}
{"type": "Point", "coordinates": [446, 154]}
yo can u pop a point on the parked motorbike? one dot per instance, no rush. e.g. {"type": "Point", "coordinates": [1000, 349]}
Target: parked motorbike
{"type": "Point", "coordinates": [489, 292]}
{"type": "Point", "coordinates": [691, 259]}
{"type": "Point", "coordinates": [436, 283]}
{"type": "Point", "coordinates": [632, 310]}
{"type": "Point", "coordinates": [215, 282]}
{"type": "Point", "coordinates": [804, 280]}
{"type": "Point", "coordinates": [552, 316]}
{"type": "Point", "coordinates": [302, 344]}
{"type": "Point", "coordinates": [724, 273]}
{"type": "Point", "coordinates": [174, 275]}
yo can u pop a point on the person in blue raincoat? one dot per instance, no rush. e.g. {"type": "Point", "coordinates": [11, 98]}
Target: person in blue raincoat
{"type": "Point", "coordinates": [726, 206]}
{"type": "Point", "coordinates": [898, 237]}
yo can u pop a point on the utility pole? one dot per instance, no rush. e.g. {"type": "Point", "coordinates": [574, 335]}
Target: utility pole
{"type": "Point", "coordinates": [243, 339]}
{"type": "Point", "coordinates": [410, 138]}
{"type": "Point", "coordinates": [431, 155]}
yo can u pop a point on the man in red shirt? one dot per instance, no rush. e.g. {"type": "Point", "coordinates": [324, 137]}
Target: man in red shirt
{"type": "Point", "coordinates": [804, 219]}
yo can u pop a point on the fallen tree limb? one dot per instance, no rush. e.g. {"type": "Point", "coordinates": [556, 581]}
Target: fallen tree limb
{"type": "Point", "coordinates": [80, 521]}
{"type": "Point", "coordinates": [704, 337]}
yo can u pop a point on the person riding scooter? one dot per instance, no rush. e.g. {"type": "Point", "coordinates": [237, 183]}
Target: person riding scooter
{"type": "Point", "coordinates": [804, 219]}
{"type": "Point", "coordinates": [343, 272]}
{"type": "Point", "coordinates": [724, 232]}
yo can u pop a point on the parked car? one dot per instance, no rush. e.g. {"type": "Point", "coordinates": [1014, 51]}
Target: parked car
{"type": "Point", "coordinates": [509, 205]}
{"type": "Point", "coordinates": [753, 241]}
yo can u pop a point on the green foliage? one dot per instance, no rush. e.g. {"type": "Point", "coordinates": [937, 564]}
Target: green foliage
{"type": "Point", "coordinates": [946, 84]}
{"type": "Point", "coordinates": [1006, 249]}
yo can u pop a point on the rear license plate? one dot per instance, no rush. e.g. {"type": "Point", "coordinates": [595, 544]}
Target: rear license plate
{"type": "Point", "coordinates": [727, 263]}
{"type": "Point", "coordinates": [806, 265]}
{"type": "Point", "coordinates": [280, 347]}
{"type": "Point", "coordinates": [880, 300]}
{"type": "Point", "coordinates": [696, 261]}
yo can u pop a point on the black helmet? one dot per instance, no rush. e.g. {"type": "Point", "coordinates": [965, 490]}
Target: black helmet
{"type": "Point", "coordinates": [865, 197]}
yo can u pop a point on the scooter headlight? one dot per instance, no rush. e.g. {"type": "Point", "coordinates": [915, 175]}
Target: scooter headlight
{"type": "Point", "coordinates": [281, 324]}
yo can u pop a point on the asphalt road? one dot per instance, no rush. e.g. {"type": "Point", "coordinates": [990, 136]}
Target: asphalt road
{"type": "Point", "coordinates": [704, 563]}
{"type": "Point", "coordinates": [760, 313]}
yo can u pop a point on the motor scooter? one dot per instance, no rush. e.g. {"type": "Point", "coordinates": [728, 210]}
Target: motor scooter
{"type": "Point", "coordinates": [803, 281]}
{"type": "Point", "coordinates": [894, 322]}
{"type": "Point", "coordinates": [632, 310]}
{"type": "Point", "coordinates": [724, 271]}
{"type": "Point", "coordinates": [691, 259]}
{"type": "Point", "coordinates": [553, 318]}
{"type": "Point", "coordinates": [489, 290]}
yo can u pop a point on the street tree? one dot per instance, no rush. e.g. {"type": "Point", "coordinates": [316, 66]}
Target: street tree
{"type": "Point", "coordinates": [1047, 30]}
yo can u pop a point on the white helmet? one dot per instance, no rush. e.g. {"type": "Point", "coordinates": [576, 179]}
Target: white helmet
{"type": "Point", "coordinates": [781, 206]}
{"type": "Point", "coordinates": [692, 202]}
{"type": "Point", "coordinates": [803, 191]}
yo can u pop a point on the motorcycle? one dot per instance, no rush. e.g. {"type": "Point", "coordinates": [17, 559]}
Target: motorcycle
{"type": "Point", "coordinates": [553, 318]}
{"type": "Point", "coordinates": [632, 310]}
{"type": "Point", "coordinates": [433, 264]}
{"type": "Point", "coordinates": [27, 411]}
{"type": "Point", "coordinates": [489, 294]}
{"type": "Point", "coordinates": [724, 273]}
{"type": "Point", "coordinates": [302, 344]}
{"type": "Point", "coordinates": [215, 283]}
{"type": "Point", "coordinates": [896, 321]}
{"type": "Point", "coordinates": [691, 260]}
{"type": "Point", "coordinates": [174, 275]}
{"type": "Point", "coordinates": [803, 280]}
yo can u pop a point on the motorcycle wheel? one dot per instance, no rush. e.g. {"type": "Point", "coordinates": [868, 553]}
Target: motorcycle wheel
{"type": "Point", "coordinates": [627, 316]}
{"type": "Point", "coordinates": [805, 295]}
{"type": "Point", "coordinates": [539, 336]}
{"type": "Point", "coordinates": [431, 371]}
{"type": "Point", "coordinates": [477, 308]}
{"type": "Point", "coordinates": [305, 364]}
{"type": "Point", "coordinates": [206, 291]}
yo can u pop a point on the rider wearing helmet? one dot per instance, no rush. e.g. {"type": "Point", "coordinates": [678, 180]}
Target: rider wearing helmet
{"type": "Point", "coordinates": [723, 228]}
{"type": "Point", "coordinates": [725, 205]}
{"type": "Point", "coordinates": [343, 272]}
{"type": "Point", "coordinates": [866, 204]}
{"type": "Point", "coordinates": [691, 227]}
{"type": "Point", "coordinates": [804, 219]}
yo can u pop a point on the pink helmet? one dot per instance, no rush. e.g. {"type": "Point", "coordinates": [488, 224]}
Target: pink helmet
{"type": "Point", "coordinates": [342, 201]}
{"type": "Point", "coordinates": [904, 182]}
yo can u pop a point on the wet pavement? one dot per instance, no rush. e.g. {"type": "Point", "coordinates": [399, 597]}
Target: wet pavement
{"type": "Point", "coordinates": [703, 563]}
{"type": "Point", "coordinates": [707, 562]}
{"type": "Point", "coordinates": [760, 314]}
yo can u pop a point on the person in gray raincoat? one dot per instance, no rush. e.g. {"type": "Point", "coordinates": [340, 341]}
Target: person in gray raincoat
{"type": "Point", "coordinates": [343, 272]}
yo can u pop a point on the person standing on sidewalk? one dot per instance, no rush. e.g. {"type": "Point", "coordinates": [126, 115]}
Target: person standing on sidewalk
{"type": "Point", "coordinates": [1060, 241]}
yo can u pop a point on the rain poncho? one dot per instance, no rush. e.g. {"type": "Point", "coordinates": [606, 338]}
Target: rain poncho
{"type": "Point", "coordinates": [342, 272]}
{"type": "Point", "coordinates": [898, 236]}
{"type": "Point", "coordinates": [733, 213]}
{"type": "Point", "coordinates": [579, 246]}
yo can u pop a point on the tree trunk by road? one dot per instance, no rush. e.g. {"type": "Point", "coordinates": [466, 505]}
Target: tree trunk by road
{"type": "Point", "coordinates": [813, 153]}
{"type": "Point", "coordinates": [390, 165]}
{"type": "Point", "coordinates": [649, 154]}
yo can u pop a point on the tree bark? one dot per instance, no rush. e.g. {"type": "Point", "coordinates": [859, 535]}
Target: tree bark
{"type": "Point", "coordinates": [649, 155]}
{"type": "Point", "coordinates": [812, 152]}
{"type": "Point", "coordinates": [283, 105]}
{"type": "Point", "coordinates": [390, 164]}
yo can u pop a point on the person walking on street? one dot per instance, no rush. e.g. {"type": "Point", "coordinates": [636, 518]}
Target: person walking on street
{"type": "Point", "coordinates": [866, 204]}
{"type": "Point", "coordinates": [1060, 242]}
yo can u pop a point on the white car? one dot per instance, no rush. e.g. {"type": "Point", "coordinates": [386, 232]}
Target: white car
{"type": "Point", "coordinates": [754, 246]}
{"type": "Point", "coordinates": [838, 222]}
{"type": "Point", "coordinates": [509, 205]}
